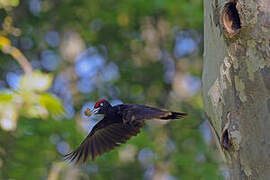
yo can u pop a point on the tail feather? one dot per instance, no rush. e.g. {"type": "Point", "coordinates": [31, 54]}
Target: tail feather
{"type": "Point", "coordinates": [175, 115]}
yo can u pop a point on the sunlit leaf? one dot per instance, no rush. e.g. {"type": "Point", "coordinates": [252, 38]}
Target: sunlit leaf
{"type": "Point", "coordinates": [4, 42]}
{"type": "Point", "coordinates": [4, 3]}
{"type": "Point", "coordinates": [52, 104]}
{"type": "Point", "coordinates": [8, 117]}
{"type": "Point", "coordinates": [130, 34]}
{"type": "Point", "coordinates": [37, 111]}
{"type": "Point", "coordinates": [5, 96]}
{"type": "Point", "coordinates": [36, 81]}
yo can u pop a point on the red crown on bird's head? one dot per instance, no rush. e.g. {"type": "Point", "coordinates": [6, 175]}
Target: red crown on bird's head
{"type": "Point", "coordinates": [100, 101]}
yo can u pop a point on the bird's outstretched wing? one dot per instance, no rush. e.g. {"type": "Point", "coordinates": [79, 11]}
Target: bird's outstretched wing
{"type": "Point", "coordinates": [140, 112]}
{"type": "Point", "coordinates": [103, 138]}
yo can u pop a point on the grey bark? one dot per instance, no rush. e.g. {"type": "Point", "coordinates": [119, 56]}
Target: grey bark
{"type": "Point", "coordinates": [236, 85]}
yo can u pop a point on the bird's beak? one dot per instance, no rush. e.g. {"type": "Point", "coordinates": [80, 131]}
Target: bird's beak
{"type": "Point", "coordinates": [95, 111]}
{"type": "Point", "coordinates": [88, 111]}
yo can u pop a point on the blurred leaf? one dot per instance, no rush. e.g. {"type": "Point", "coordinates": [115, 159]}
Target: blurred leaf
{"type": "Point", "coordinates": [4, 3]}
{"type": "Point", "coordinates": [29, 101]}
{"type": "Point", "coordinates": [37, 111]}
{"type": "Point", "coordinates": [51, 103]}
{"type": "Point", "coordinates": [139, 38]}
{"type": "Point", "coordinates": [5, 97]}
{"type": "Point", "coordinates": [36, 81]}
{"type": "Point", "coordinates": [4, 42]}
{"type": "Point", "coordinates": [8, 117]}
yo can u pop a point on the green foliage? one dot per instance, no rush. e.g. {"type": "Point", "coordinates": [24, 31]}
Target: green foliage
{"type": "Point", "coordinates": [5, 97]}
{"type": "Point", "coordinates": [29, 100]}
{"type": "Point", "coordinates": [52, 104]}
{"type": "Point", "coordinates": [136, 36]}
{"type": "Point", "coordinates": [32, 147]}
{"type": "Point", "coordinates": [6, 3]}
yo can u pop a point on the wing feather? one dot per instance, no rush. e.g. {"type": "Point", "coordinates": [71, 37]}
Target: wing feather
{"type": "Point", "coordinates": [92, 149]}
{"type": "Point", "coordinates": [86, 151]}
{"type": "Point", "coordinates": [103, 139]}
{"type": "Point", "coordinates": [141, 112]}
{"type": "Point", "coordinates": [99, 143]}
{"type": "Point", "coordinates": [80, 153]}
{"type": "Point", "coordinates": [115, 136]}
{"type": "Point", "coordinates": [108, 139]}
{"type": "Point", "coordinates": [94, 145]}
{"type": "Point", "coordinates": [106, 144]}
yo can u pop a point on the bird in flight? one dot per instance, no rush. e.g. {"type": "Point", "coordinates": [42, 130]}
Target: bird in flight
{"type": "Point", "coordinates": [119, 124]}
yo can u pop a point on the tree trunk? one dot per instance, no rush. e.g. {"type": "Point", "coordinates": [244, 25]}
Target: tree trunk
{"type": "Point", "coordinates": [236, 83]}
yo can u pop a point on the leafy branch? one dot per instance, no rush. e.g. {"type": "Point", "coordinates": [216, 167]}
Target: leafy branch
{"type": "Point", "coordinates": [7, 48]}
{"type": "Point", "coordinates": [31, 99]}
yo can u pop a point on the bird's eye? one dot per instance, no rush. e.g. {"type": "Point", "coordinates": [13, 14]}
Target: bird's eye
{"type": "Point", "coordinates": [101, 104]}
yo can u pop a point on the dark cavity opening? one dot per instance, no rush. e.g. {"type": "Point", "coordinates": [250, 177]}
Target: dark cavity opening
{"type": "Point", "coordinates": [230, 18]}
{"type": "Point", "coordinates": [225, 141]}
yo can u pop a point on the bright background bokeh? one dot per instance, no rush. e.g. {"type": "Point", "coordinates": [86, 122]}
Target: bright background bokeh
{"type": "Point", "coordinates": [139, 52]}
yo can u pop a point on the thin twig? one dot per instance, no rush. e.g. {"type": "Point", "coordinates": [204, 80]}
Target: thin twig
{"type": "Point", "coordinates": [19, 57]}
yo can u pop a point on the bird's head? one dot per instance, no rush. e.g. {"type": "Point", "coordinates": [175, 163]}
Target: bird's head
{"type": "Point", "coordinates": [101, 107]}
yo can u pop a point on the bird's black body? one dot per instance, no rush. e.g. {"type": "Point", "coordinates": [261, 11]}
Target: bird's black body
{"type": "Point", "coordinates": [119, 124]}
